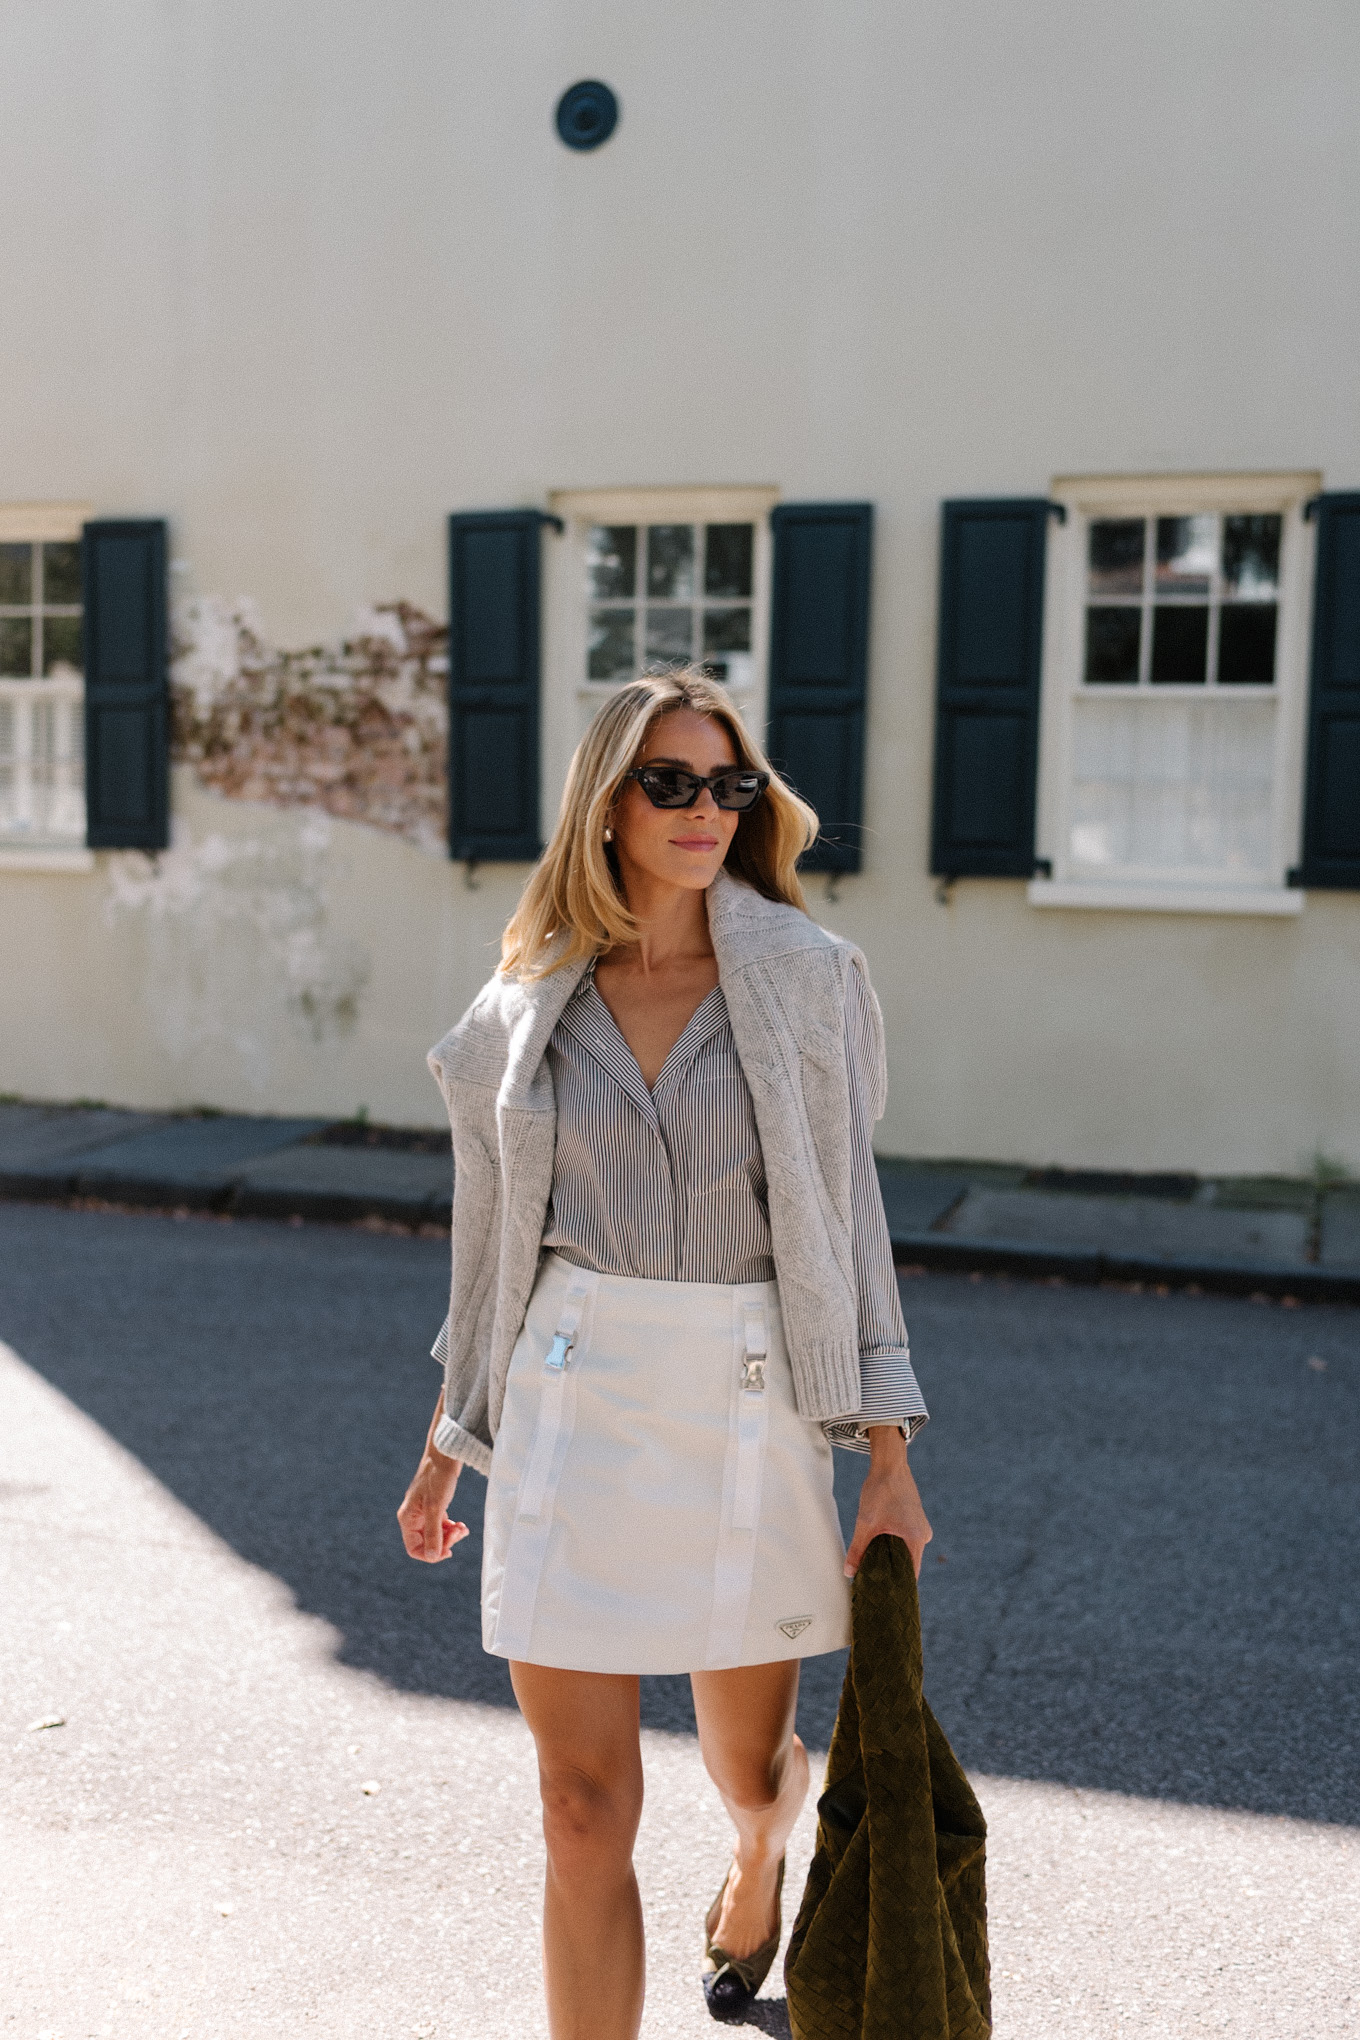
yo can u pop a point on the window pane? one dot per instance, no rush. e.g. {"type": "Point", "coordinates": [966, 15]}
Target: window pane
{"type": "Point", "coordinates": [611, 645]}
{"type": "Point", "coordinates": [1185, 554]}
{"type": "Point", "coordinates": [727, 630]}
{"type": "Point", "coordinates": [1182, 786]}
{"type": "Point", "coordinates": [1116, 549]}
{"type": "Point", "coordinates": [727, 559]}
{"type": "Point", "coordinates": [61, 642]}
{"type": "Point", "coordinates": [61, 573]}
{"type": "Point", "coordinates": [670, 636]}
{"type": "Point", "coordinates": [1113, 637]}
{"type": "Point", "coordinates": [1180, 642]}
{"type": "Point", "coordinates": [611, 560]}
{"type": "Point", "coordinates": [1251, 557]}
{"type": "Point", "coordinates": [727, 645]}
{"type": "Point", "coordinates": [670, 561]}
{"type": "Point", "coordinates": [16, 573]}
{"type": "Point", "coordinates": [1246, 644]}
{"type": "Point", "coordinates": [16, 647]}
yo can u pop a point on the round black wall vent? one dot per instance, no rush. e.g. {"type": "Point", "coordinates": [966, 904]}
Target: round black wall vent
{"type": "Point", "coordinates": [587, 114]}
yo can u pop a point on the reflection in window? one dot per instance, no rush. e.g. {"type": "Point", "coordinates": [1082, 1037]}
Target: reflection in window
{"type": "Point", "coordinates": [694, 591]}
{"type": "Point", "coordinates": [670, 561]}
{"type": "Point", "coordinates": [611, 560]}
{"type": "Point", "coordinates": [670, 636]}
{"type": "Point", "coordinates": [1251, 558]}
{"type": "Point", "coordinates": [728, 550]}
{"type": "Point", "coordinates": [1207, 592]}
{"type": "Point", "coordinates": [610, 654]}
{"type": "Point", "coordinates": [1186, 548]}
{"type": "Point", "coordinates": [1117, 548]}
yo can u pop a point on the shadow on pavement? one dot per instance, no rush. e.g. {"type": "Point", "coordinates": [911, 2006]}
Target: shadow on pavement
{"type": "Point", "coordinates": [1145, 1508]}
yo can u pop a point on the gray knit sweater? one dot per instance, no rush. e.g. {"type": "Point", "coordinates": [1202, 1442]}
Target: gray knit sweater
{"type": "Point", "coordinates": [785, 982]}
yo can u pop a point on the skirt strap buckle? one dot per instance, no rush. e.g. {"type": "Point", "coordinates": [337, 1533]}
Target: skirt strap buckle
{"type": "Point", "coordinates": [568, 1324]}
{"type": "Point", "coordinates": [757, 1346]}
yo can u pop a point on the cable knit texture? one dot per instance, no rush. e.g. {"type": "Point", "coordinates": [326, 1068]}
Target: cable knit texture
{"type": "Point", "coordinates": [785, 981]}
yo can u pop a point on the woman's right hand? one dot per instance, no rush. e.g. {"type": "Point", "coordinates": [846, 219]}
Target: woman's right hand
{"type": "Point", "coordinates": [426, 1530]}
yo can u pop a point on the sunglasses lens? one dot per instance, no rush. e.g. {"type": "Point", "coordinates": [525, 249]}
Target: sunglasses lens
{"type": "Point", "coordinates": [738, 790]}
{"type": "Point", "coordinates": [666, 787]}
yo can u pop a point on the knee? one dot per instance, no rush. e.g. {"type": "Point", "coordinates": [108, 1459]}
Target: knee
{"type": "Point", "coordinates": [754, 1779]}
{"type": "Point", "coordinates": [588, 1823]}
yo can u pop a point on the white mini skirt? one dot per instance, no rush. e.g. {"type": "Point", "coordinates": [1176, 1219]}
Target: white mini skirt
{"type": "Point", "coordinates": [655, 1501]}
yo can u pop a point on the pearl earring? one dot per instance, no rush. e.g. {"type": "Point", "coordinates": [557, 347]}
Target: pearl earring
{"type": "Point", "coordinates": [609, 835]}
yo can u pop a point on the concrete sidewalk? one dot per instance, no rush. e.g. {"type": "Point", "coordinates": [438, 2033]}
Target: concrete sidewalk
{"type": "Point", "coordinates": [1279, 1236]}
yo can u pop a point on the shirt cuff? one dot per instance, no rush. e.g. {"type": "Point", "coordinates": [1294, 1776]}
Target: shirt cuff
{"type": "Point", "coordinates": [889, 1394]}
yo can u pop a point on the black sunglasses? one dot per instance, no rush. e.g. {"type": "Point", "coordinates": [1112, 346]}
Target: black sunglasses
{"type": "Point", "coordinates": [670, 786]}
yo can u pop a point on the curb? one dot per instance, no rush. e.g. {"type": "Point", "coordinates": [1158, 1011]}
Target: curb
{"type": "Point", "coordinates": [948, 1254]}
{"type": "Point", "coordinates": [235, 1200]}
{"type": "Point", "coordinates": [336, 1207]}
{"type": "Point", "coordinates": [945, 1253]}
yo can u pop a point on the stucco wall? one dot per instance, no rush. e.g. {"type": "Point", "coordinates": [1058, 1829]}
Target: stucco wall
{"type": "Point", "coordinates": [271, 960]}
{"type": "Point", "coordinates": [304, 279]}
{"type": "Point", "coordinates": [283, 960]}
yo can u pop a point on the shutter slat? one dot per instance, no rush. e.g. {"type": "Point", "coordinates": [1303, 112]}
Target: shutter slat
{"type": "Point", "coordinates": [819, 663]}
{"type": "Point", "coordinates": [987, 703]}
{"type": "Point", "coordinates": [127, 699]}
{"type": "Point", "coordinates": [1331, 829]}
{"type": "Point", "coordinates": [494, 684]}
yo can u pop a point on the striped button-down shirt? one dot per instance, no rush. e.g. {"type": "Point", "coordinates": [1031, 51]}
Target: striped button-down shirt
{"type": "Point", "coordinates": [667, 1184]}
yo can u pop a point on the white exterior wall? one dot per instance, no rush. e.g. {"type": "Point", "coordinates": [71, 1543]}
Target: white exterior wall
{"type": "Point", "coordinates": [303, 279]}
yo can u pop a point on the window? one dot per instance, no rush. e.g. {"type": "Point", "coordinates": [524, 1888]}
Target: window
{"type": "Point", "coordinates": [42, 784]}
{"type": "Point", "coordinates": [664, 594]}
{"type": "Point", "coordinates": [653, 577]}
{"type": "Point", "coordinates": [1174, 693]}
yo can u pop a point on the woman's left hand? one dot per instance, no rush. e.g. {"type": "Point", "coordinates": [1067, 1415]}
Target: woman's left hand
{"type": "Point", "coordinates": [889, 1505]}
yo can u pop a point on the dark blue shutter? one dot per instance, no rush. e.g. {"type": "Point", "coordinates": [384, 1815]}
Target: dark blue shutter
{"type": "Point", "coordinates": [493, 684]}
{"type": "Point", "coordinates": [819, 663]}
{"type": "Point", "coordinates": [1331, 826]}
{"type": "Point", "coordinates": [987, 704]}
{"type": "Point", "coordinates": [127, 692]}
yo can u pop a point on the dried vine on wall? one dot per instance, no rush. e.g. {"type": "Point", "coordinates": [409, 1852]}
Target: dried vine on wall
{"type": "Point", "coordinates": [359, 729]}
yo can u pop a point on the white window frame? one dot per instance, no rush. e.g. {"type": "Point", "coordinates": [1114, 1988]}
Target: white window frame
{"type": "Point", "coordinates": [1084, 497]}
{"type": "Point", "coordinates": [569, 699]}
{"type": "Point", "coordinates": [42, 524]}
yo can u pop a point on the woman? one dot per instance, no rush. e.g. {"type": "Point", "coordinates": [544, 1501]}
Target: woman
{"type": "Point", "coordinates": [672, 1285]}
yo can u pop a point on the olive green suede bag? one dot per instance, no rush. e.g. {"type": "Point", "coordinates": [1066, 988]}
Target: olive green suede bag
{"type": "Point", "coordinates": [890, 1942]}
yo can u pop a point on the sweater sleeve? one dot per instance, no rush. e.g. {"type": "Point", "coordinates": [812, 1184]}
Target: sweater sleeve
{"type": "Point", "coordinates": [888, 1387]}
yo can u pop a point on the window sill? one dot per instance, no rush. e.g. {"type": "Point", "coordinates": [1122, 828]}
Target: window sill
{"type": "Point", "coordinates": [45, 857]}
{"type": "Point", "coordinates": [1165, 899]}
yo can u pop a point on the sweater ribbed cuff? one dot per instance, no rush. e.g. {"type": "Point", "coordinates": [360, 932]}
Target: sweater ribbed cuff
{"type": "Point", "coordinates": [455, 1443]}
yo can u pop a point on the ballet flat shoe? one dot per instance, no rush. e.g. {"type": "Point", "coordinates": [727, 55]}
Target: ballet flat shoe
{"type": "Point", "coordinates": [731, 1981]}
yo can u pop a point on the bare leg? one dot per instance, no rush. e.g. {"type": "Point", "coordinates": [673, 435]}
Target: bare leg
{"type": "Point", "coordinates": [585, 1725]}
{"type": "Point", "coordinates": [760, 1767]}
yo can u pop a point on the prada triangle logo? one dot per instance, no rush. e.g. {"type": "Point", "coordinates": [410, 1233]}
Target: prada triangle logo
{"type": "Point", "coordinates": [795, 1626]}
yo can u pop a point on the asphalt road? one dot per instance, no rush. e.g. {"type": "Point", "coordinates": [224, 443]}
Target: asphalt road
{"type": "Point", "coordinates": [1141, 1635]}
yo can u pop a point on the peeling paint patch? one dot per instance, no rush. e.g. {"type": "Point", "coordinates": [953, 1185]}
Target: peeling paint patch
{"type": "Point", "coordinates": [237, 928]}
{"type": "Point", "coordinates": [358, 729]}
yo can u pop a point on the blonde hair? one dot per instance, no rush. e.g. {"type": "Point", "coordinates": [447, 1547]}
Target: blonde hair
{"type": "Point", "coordinates": [573, 906]}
